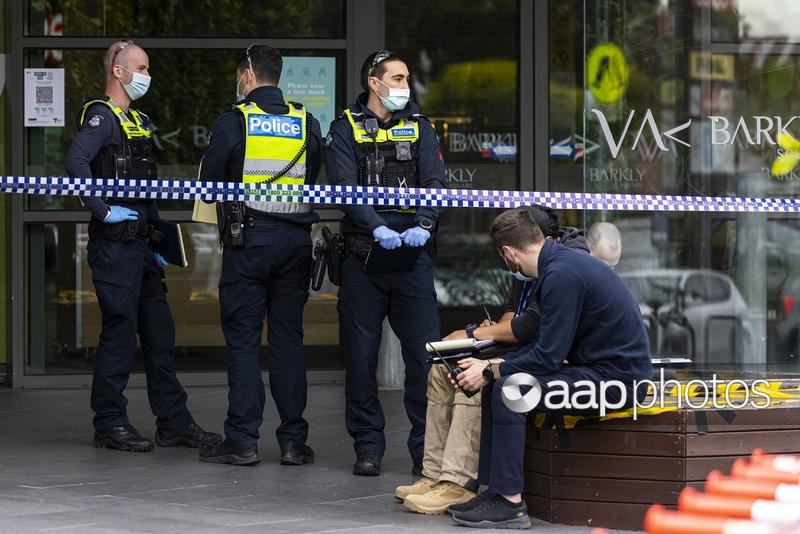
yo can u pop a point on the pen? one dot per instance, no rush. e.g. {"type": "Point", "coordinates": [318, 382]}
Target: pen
{"type": "Point", "coordinates": [487, 315]}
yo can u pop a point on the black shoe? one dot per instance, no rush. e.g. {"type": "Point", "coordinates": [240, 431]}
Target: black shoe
{"type": "Point", "coordinates": [416, 470]}
{"type": "Point", "coordinates": [124, 438]}
{"type": "Point", "coordinates": [191, 436]}
{"type": "Point", "coordinates": [368, 464]}
{"type": "Point", "coordinates": [294, 453]}
{"type": "Point", "coordinates": [495, 512]}
{"type": "Point", "coordinates": [470, 504]}
{"type": "Point", "coordinates": [230, 452]}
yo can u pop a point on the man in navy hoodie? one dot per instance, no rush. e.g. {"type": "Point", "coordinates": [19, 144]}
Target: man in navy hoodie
{"type": "Point", "coordinates": [591, 332]}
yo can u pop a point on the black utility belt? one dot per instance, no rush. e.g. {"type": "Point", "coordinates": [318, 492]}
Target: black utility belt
{"type": "Point", "coordinates": [258, 222]}
{"type": "Point", "coordinates": [126, 231]}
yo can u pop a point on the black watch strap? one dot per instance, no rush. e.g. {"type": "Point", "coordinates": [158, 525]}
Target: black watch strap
{"type": "Point", "coordinates": [488, 375]}
{"type": "Point", "coordinates": [470, 328]}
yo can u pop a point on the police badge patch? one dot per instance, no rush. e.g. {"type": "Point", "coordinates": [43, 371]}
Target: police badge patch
{"type": "Point", "coordinates": [95, 121]}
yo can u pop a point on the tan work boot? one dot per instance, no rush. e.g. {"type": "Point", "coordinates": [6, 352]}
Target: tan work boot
{"type": "Point", "coordinates": [423, 485]}
{"type": "Point", "coordinates": [438, 499]}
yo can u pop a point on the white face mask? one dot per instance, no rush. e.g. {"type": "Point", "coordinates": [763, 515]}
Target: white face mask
{"type": "Point", "coordinates": [397, 99]}
{"type": "Point", "coordinates": [138, 86]}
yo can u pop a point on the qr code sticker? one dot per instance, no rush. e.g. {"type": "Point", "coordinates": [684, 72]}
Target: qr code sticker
{"type": "Point", "coordinates": [44, 95]}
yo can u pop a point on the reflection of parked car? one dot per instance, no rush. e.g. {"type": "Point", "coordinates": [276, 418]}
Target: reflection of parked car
{"type": "Point", "coordinates": [692, 313]}
{"type": "Point", "coordinates": [787, 330]}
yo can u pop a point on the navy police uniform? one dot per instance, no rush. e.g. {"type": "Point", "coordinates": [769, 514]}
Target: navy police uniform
{"type": "Point", "coordinates": [407, 298]}
{"type": "Point", "coordinates": [270, 273]}
{"type": "Point", "coordinates": [128, 280]}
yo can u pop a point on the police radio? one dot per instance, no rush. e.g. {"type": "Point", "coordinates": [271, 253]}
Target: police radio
{"type": "Point", "coordinates": [454, 370]}
{"type": "Point", "coordinates": [374, 167]}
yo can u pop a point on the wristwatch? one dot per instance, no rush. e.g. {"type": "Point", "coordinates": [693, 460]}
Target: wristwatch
{"type": "Point", "coordinates": [470, 328]}
{"type": "Point", "coordinates": [425, 224]}
{"type": "Point", "coordinates": [488, 375]}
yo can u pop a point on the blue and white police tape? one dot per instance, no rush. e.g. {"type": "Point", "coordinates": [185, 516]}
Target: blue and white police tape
{"type": "Point", "coordinates": [385, 196]}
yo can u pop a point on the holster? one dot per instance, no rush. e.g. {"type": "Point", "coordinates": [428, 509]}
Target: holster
{"type": "Point", "coordinates": [231, 223]}
{"type": "Point", "coordinates": [328, 254]}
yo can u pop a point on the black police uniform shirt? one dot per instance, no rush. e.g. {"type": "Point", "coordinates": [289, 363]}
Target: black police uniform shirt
{"type": "Point", "coordinates": [224, 159]}
{"type": "Point", "coordinates": [342, 164]}
{"type": "Point", "coordinates": [101, 132]}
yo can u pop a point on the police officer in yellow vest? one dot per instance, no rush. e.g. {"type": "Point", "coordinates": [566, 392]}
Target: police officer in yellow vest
{"type": "Point", "coordinates": [266, 258]}
{"type": "Point", "coordinates": [382, 140]}
{"type": "Point", "coordinates": [115, 142]}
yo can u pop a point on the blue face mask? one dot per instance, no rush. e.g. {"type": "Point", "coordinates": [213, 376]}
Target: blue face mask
{"type": "Point", "coordinates": [521, 277]}
{"type": "Point", "coordinates": [516, 273]}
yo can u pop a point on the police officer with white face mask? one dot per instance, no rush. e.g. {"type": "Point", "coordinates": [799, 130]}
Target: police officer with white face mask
{"type": "Point", "coordinates": [266, 258]}
{"type": "Point", "coordinates": [115, 142]}
{"type": "Point", "coordinates": [382, 140]}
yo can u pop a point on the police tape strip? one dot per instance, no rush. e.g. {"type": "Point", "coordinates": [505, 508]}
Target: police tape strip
{"type": "Point", "coordinates": [385, 196]}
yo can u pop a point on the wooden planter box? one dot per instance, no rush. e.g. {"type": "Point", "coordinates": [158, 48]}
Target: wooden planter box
{"type": "Point", "coordinates": [607, 474]}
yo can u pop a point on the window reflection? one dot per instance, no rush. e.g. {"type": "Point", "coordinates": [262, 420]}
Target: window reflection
{"type": "Point", "coordinates": [320, 19]}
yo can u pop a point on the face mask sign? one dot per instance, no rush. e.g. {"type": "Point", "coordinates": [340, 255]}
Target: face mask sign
{"type": "Point", "coordinates": [397, 99]}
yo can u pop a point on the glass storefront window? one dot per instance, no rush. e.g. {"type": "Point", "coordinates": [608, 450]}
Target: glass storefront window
{"type": "Point", "coordinates": [686, 97]}
{"type": "Point", "coordinates": [320, 19]}
{"type": "Point", "coordinates": [190, 89]}
{"type": "Point", "coordinates": [463, 60]}
{"type": "Point", "coordinates": [63, 317]}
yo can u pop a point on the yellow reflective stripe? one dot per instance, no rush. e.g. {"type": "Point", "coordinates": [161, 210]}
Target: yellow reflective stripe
{"type": "Point", "coordinates": [405, 130]}
{"type": "Point", "coordinates": [132, 128]}
{"type": "Point", "coordinates": [268, 154]}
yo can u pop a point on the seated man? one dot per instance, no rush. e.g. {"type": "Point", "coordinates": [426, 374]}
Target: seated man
{"type": "Point", "coordinates": [605, 242]}
{"type": "Point", "coordinates": [452, 433]}
{"type": "Point", "coordinates": [591, 332]}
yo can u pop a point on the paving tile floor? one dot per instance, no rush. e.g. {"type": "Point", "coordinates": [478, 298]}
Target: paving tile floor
{"type": "Point", "coordinates": [52, 480]}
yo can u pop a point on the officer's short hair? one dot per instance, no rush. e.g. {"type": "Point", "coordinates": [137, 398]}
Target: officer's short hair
{"type": "Point", "coordinates": [375, 65]}
{"type": "Point", "coordinates": [266, 62]}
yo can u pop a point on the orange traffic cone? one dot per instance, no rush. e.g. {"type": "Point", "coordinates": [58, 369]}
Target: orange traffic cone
{"type": "Point", "coordinates": [719, 484]}
{"type": "Point", "coordinates": [742, 469]}
{"type": "Point", "coordinates": [659, 520]}
{"type": "Point", "coordinates": [692, 501]}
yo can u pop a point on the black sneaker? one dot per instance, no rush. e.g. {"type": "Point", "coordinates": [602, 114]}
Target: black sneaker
{"type": "Point", "coordinates": [230, 452]}
{"type": "Point", "coordinates": [294, 453]}
{"type": "Point", "coordinates": [368, 464]}
{"type": "Point", "coordinates": [495, 512]}
{"type": "Point", "coordinates": [124, 438]}
{"type": "Point", "coordinates": [470, 504]}
{"type": "Point", "coordinates": [191, 436]}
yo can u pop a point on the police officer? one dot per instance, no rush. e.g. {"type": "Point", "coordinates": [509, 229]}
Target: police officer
{"type": "Point", "coordinates": [266, 258]}
{"type": "Point", "coordinates": [115, 141]}
{"type": "Point", "coordinates": [383, 140]}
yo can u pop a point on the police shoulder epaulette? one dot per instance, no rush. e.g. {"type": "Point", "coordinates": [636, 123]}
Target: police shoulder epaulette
{"type": "Point", "coordinates": [295, 105]}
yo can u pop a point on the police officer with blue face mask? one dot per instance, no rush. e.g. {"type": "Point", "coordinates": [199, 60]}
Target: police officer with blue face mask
{"type": "Point", "coordinates": [382, 140]}
{"type": "Point", "coordinates": [115, 142]}
{"type": "Point", "coordinates": [266, 258]}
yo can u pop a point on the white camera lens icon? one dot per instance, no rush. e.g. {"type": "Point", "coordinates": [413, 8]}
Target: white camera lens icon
{"type": "Point", "coordinates": [512, 394]}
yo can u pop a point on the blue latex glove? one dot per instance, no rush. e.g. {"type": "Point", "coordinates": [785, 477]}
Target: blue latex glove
{"type": "Point", "coordinates": [388, 238]}
{"type": "Point", "coordinates": [415, 237]}
{"type": "Point", "coordinates": [160, 259]}
{"type": "Point", "coordinates": [120, 213]}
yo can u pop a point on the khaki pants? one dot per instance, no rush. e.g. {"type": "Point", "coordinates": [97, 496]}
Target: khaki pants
{"type": "Point", "coordinates": [452, 431]}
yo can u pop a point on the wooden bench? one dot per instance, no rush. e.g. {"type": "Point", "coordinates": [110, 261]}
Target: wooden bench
{"type": "Point", "coordinates": [607, 474]}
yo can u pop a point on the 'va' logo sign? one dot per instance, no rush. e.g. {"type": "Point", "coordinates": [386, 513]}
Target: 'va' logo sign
{"type": "Point", "coordinates": [647, 122]}
{"type": "Point", "coordinates": [275, 126]}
